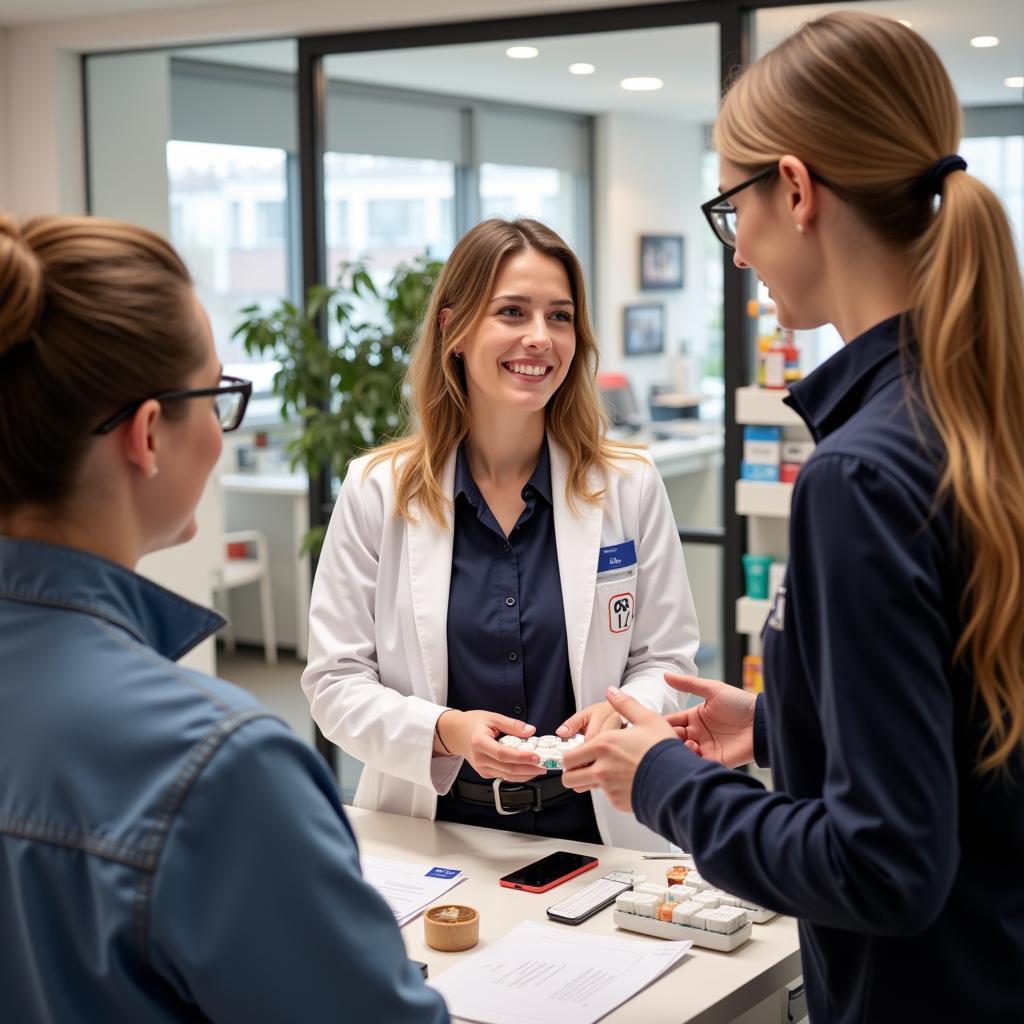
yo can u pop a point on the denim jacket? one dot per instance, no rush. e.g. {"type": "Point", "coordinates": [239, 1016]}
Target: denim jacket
{"type": "Point", "coordinates": [168, 850]}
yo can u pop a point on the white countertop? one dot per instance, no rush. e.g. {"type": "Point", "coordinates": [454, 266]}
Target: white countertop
{"type": "Point", "coordinates": [706, 987]}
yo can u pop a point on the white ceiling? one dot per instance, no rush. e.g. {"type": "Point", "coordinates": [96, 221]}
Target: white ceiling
{"type": "Point", "coordinates": [949, 26]}
{"type": "Point", "coordinates": [685, 58]}
{"type": "Point", "coordinates": [19, 12]}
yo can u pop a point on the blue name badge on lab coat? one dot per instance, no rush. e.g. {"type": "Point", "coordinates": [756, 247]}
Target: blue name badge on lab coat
{"type": "Point", "coordinates": [618, 556]}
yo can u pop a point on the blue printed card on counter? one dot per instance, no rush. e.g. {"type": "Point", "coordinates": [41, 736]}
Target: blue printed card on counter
{"type": "Point", "coordinates": [442, 873]}
{"type": "Point", "coordinates": [618, 556]}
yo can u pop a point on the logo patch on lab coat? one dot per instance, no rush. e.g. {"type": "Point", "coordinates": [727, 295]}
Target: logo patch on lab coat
{"type": "Point", "coordinates": [621, 609]}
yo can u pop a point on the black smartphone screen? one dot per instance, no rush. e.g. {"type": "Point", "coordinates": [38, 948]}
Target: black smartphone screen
{"type": "Point", "coordinates": [546, 870]}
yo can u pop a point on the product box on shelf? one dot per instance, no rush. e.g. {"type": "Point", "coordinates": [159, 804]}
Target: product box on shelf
{"type": "Point", "coordinates": [792, 456]}
{"type": "Point", "coordinates": [762, 449]}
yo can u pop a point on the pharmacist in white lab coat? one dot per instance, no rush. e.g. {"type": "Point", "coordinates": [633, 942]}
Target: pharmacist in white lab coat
{"type": "Point", "coordinates": [497, 570]}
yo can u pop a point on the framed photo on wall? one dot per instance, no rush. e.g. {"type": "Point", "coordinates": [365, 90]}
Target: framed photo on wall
{"type": "Point", "coordinates": [661, 262]}
{"type": "Point", "coordinates": [643, 330]}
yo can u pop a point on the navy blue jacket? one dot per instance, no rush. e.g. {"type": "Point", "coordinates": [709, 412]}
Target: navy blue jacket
{"type": "Point", "coordinates": [905, 867]}
{"type": "Point", "coordinates": [168, 850]}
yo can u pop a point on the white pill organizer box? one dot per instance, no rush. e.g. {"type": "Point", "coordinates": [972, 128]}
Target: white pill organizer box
{"type": "Point", "coordinates": [695, 910]}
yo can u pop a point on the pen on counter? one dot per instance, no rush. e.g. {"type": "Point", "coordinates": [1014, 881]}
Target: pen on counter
{"type": "Point", "coordinates": [666, 856]}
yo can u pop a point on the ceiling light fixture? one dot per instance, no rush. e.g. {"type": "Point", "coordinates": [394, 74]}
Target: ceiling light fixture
{"type": "Point", "coordinates": [983, 42]}
{"type": "Point", "coordinates": [641, 84]}
{"type": "Point", "coordinates": [522, 52]}
{"type": "Point", "coordinates": [581, 69]}
{"type": "Point", "coordinates": [1014, 82]}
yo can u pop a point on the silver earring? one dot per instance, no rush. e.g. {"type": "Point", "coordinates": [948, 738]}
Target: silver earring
{"type": "Point", "coordinates": [800, 228]}
{"type": "Point", "coordinates": [153, 472]}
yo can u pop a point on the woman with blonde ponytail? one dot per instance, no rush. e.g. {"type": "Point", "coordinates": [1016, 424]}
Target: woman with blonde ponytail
{"type": "Point", "coordinates": [893, 710]}
{"type": "Point", "coordinates": [157, 826]}
{"type": "Point", "coordinates": [491, 574]}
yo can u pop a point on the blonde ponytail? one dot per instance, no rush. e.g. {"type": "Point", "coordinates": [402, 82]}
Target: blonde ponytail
{"type": "Point", "coordinates": [969, 317]}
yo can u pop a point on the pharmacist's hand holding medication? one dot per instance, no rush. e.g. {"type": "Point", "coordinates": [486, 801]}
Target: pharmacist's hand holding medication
{"type": "Point", "coordinates": [591, 721]}
{"type": "Point", "coordinates": [610, 761]}
{"type": "Point", "coordinates": [722, 728]}
{"type": "Point", "coordinates": [474, 736]}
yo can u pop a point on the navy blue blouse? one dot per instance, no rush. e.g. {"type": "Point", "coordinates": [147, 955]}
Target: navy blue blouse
{"type": "Point", "coordinates": [507, 650]}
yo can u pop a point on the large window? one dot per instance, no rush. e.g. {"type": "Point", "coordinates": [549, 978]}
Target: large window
{"type": "Point", "coordinates": [229, 221]}
{"type": "Point", "coordinates": [416, 168]}
{"type": "Point", "coordinates": [999, 161]}
{"type": "Point", "coordinates": [386, 210]}
{"type": "Point", "coordinates": [547, 194]}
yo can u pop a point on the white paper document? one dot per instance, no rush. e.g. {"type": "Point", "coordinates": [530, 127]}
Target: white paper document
{"type": "Point", "coordinates": [409, 889]}
{"type": "Point", "coordinates": [542, 974]}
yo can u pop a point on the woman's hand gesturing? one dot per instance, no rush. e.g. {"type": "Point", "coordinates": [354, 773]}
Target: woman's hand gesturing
{"type": "Point", "coordinates": [720, 729]}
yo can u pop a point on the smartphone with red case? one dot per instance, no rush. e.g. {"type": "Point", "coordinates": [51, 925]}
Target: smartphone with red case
{"type": "Point", "coordinates": [549, 871]}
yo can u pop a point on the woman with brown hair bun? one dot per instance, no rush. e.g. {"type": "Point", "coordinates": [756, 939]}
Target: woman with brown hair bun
{"type": "Point", "coordinates": [165, 844]}
{"type": "Point", "coordinates": [493, 572]}
{"type": "Point", "coordinates": [893, 707]}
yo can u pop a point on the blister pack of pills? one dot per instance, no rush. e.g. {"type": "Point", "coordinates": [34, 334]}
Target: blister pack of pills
{"type": "Point", "coordinates": [550, 749]}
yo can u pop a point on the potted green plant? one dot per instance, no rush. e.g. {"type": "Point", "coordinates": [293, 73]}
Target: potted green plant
{"type": "Point", "coordinates": [343, 384]}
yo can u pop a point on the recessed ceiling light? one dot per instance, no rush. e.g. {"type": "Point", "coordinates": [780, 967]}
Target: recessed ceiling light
{"type": "Point", "coordinates": [982, 42]}
{"type": "Point", "coordinates": [522, 52]}
{"type": "Point", "coordinates": [641, 84]}
{"type": "Point", "coordinates": [581, 69]}
{"type": "Point", "coordinates": [1014, 82]}
{"type": "Point", "coordinates": [903, 21]}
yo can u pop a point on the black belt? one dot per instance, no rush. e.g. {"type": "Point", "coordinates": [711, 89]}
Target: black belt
{"type": "Point", "coordinates": [513, 797]}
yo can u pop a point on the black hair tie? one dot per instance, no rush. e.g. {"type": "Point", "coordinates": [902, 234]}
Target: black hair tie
{"type": "Point", "coordinates": [932, 179]}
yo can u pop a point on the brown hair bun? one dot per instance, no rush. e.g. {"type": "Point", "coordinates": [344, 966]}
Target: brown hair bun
{"type": "Point", "coordinates": [21, 286]}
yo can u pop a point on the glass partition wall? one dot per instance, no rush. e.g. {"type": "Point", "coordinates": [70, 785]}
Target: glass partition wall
{"type": "Point", "coordinates": [426, 141]}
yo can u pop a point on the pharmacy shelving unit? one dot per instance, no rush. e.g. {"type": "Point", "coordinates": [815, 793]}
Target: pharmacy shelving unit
{"type": "Point", "coordinates": [765, 505]}
{"type": "Point", "coordinates": [766, 508]}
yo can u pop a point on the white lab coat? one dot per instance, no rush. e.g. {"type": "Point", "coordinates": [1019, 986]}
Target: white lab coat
{"type": "Point", "coordinates": [377, 676]}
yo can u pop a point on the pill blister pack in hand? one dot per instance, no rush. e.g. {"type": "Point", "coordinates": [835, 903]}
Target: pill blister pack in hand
{"type": "Point", "coordinates": [550, 749]}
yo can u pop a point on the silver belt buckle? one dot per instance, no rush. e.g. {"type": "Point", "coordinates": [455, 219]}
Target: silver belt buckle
{"type": "Point", "coordinates": [496, 786]}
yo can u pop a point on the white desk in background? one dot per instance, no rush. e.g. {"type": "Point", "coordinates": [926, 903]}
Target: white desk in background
{"type": "Point", "coordinates": [277, 504]}
{"type": "Point", "coordinates": [706, 988]}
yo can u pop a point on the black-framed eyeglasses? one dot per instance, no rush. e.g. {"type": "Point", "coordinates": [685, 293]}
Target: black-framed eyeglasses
{"type": "Point", "coordinates": [232, 396]}
{"type": "Point", "coordinates": [721, 214]}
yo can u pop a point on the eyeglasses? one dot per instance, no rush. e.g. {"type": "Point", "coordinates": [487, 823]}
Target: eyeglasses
{"type": "Point", "coordinates": [721, 214]}
{"type": "Point", "coordinates": [232, 396]}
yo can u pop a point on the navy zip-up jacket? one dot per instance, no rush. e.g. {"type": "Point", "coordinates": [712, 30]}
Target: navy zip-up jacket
{"type": "Point", "coordinates": [168, 850]}
{"type": "Point", "coordinates": [904, 866]}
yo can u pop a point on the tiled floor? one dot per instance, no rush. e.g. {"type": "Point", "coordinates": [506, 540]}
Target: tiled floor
{"type": "Point", "coordinates": [275, 686]}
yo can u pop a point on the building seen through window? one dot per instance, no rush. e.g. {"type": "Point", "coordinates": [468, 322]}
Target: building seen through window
{"type": "Point", "coordinates": [229, 221]}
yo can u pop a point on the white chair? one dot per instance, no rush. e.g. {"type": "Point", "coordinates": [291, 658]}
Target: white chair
{"type": "Point", "coordinates": [239, 572]}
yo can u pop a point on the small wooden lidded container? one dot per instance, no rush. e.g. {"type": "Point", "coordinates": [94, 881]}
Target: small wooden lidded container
{"type": "Point", "coordinates": [451, 928]}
